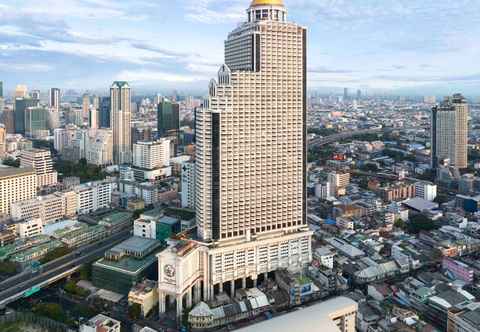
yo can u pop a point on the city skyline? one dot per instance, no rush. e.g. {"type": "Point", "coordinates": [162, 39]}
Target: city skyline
{"type": "Point", "coordinates": [376, 46]}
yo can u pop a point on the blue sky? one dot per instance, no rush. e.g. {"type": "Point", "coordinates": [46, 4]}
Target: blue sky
{"type": "Point", "coordinates": [420, 46]}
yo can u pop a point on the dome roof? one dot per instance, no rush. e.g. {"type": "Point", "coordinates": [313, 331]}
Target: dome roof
{"type": "Point", "coordinates": [267, 3]}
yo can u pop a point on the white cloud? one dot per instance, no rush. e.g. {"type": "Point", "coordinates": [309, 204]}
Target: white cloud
{"type": "Point", "coordinates": [147, 76]}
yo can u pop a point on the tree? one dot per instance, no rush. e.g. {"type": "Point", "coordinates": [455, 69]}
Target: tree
{"type": "Point", "coordinates": [399, 223]}
{"type": "Point", "coordinates": [420, 222]}
{"type": "Point", "coordinates": [85, 271]}
{"type": "Point", "coordinates": [11, 162]}
{"type": "Point", "coordinates": [134, 311]}
{"type": "Point", "coordinates": [54, 254]}
{"type": "Point", "coordinates": [50, 310]}
{"type": "Point", "coordinates": [7, 267]}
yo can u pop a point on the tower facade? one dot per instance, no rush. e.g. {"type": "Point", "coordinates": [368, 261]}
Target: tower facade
{"type": "Point", "coordinates": [250, 165]}
{"type": "Point", "coordinates": [54, 99]}
{"type": "Point", "coordinates": [449, 123]}
{"type": "Point", "coordinates": [120, 117]}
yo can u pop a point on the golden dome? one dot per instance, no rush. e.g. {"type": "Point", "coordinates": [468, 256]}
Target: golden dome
{"type": "Point", "coordinates": [266, 3]}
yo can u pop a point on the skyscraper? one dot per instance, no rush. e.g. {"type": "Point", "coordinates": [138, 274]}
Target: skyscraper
{"type": "Point", "coordinates": [93, 118]}
{"type": "Point", "coordinates": [120, 115]}
{"type": "Point", "coordinates": [1, 89]}
{"type": "Point", "coordinates": [168, 122]}
{"type": "Point", "coordinates": [85, 105]}
{"type": "Point", "coordinates": [449, 123]}
{"type": "Point", "coordinates": [54, 99]}
{"type": "Point", "coordinates": [35, 95]}
{"type": "Point", "coordinates": [104, 109]}
{"type": "Point", "coordinates": [3, 141]}
{"type": "Point", "coordinates": [345, 94]}
{"type": "Point", "coordinates": [250, 169]}
{"type": "Point", "coordinates": [21, 91]}
{"type": "Point", "coordinates": [21, 104]}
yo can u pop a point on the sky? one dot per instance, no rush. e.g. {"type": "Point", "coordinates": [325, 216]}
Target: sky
{"type": "Point", "coordinates": [405, 46]}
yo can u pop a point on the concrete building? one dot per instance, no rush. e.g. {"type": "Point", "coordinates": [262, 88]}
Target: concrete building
{"type": "Point", "coordinates": [54, 99]}
{"type": "Point", "coordinates": [99, 150]}
{"type": "Point", "coordinates": [16, 184]}
{"type": "Point", "coordinates": [449, 123]}
{"type": "Point", "coordinates": [93, 196]}
{"type": "Point", "coordinates": [101, 323]}
{"type": "Point", "coordinates": [144, 294]}
{"type": "Point", "coordinates": [338, 182]}
{"type": "Point", "coordinates": [30, 228]}
{"type": "Point", "coordinates": [324, 190]}
{"type": "Point", "coordinates": [93, 118]}
{"type": "Point", "coordinates": [85, 106]}
{"type": "Point", "coordinates": [188, 185]}
{"type": "Point", "coordinates": [426, 190]}
{"type": "Point", "coordinates": [250, 164]}
{"type": "Point", "coordinates": [464, 318]}
{"type": "Point", "coordinates": [151, 155]}
{"type": "Point", "coordinates": [120, 117]}
{"type": "Point", "coordinates": [49, 208]}
{"type": "Point", "coordinates": [335, 315]}
{"type": "Point", "coordinates": [41, 161]}
{"type": "Point", "coordinates": [3, 141]}
{"type": "Point", "coordinates": [21, 91]}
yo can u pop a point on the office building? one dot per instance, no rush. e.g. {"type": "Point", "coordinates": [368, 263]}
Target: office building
{"type": "Point", "coordinates": [188, 185]}
{"type": "Point", "coordinates": [168, 120]}
{"type": "Point", "coordinates": [3, 141]}
{"type": "Point", "coordinates": [359, 94]}
{"type": "Point", "coordinates": [8, 119]}
{"type": "Point", "coordinates": [21, 105]}
{"type": "Point", "coordinates": [85, 105]}
{"type": "Point", "coordinates": [250, 164]}
{"type": "Point", "coordinates": [53, 119]}
{"type": "Point", "coordinates": [35, 95]}
{"type": "Point", "coordinates": [464, 318]}
{"type": "Point", "coordinates": [426, 190]}
{"type": "Point", "coordinates": [120, 116]}
{"type": "Point", "coordinates": [50, 208]}
{"type": "Point", "coordinates": [21, 91]}
{"type": "Point", "coordinates": [345, 94]}
{"type": "Point", "coordinates": [16, 184]}
{"type": "Point", "coordinates": [101, 323]}
{"type": "Point", "coordinates": [64, 137]}
{"type": "Point", "coordinates": [36, 122]}
{"type": "Point", "coordinates": [41, 161]}
{"type": "Point", "coordinates": [96, 102]}
{"type": "Point", "coordinates": [1, 89]}
{"type": "Point", "coordinates": [93, 196]}
{"type": "Point", "coordinates": [104, 110]}
{"type": "Point", "coordinates": [449, 122]}
{"type": "Point", "coordinates": [54, 99]}
{"type": "Point", "coordinates": [93, 121]}
{"type": "Point", "coordinates": [338, 182]}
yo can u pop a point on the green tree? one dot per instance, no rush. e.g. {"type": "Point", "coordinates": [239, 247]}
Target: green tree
{"type": "Point", "coordinates": [399, 223]}
{"type": "Point", "coordinates": [134, 311]}
{"type": "Point", "coordinates": [50, 310]}
{"type": "Point", "coordinates": [7, 267]}
{"type": "Point", "coordinates": [420, 222]}
{"type": "Point", "coordinates": [54, 254]}
{"type": "Point", "coordinates": [9, 161]}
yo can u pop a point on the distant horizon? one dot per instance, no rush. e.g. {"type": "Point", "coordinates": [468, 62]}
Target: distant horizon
{"type": "Point", "coordinates": [408, 48]}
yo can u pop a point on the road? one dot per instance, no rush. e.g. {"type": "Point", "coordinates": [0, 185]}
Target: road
{"type": "Point", "coordinates": [319, 141]}
{"type": "Point", "coordinates": [25, 281]}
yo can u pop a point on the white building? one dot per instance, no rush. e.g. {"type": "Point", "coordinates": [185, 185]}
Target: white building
{"type": "Point", "coordinates": [151, 155]}
{"type": "Point", "coordinates": [101, 323]}
{"type": "Point", "coordinates": [41, 161]}
{"type": "Point", "coordinates": [16, 184]}
{"type": "Point", "coordinates": [324, 190]}
{"type": "Point", "coordinates": [338, 182]}
{"type": "Point", "coordinates": [49, 208]}
{"type": "Point", "coordinates": [188, 185]}
{"type": "Point", "coordinates": [29, 228]}
{"type": "Point", "coordinates": [250, 165]}
{"type": "Point", "coordinates": [145, 228]}
{"type": "Point", "coordinates": [94, 195]}
{"type": "Point", "coordinates": [120, 122]}
{"type": "Point", "coordinates": [325, 255]}
{"type": "Point", "coordinates": [426, 190]}
{"type": "Point", "coordinates": [99, 150]}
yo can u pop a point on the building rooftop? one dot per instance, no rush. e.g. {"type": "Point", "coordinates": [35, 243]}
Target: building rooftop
{"type": "Point", "coordinates": [420, 204]}
{"type": "Point", "coordinates": [14, 171]}
{"type": "Point", "coordinates": [308, 319]}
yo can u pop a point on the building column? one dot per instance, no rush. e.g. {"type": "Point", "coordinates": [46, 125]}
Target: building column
{"type": "Point", "coordinates": [244, 282]}
{"type": "Point", "coordinates": [196, 292]}
{"type": "Point", "coordinates": [265, 276]}
{"type": "Point", "coordinates": [220, 287]}
{"type": "Point", "coordinates": [179, 306]}
{"type": "Point", "coordinates": [211, 292]}
{"type": "Point", "coordinates": [232, 288]}
{"type": "Point", "coordinates": [189, 298]}
{"type": "Point", "coordinates": [161, 302]}
{"type": "Point", "coordinates": [254, 279]}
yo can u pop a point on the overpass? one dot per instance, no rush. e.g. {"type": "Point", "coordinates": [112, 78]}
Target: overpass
{"type": "Point", "coordinates": [28, 283]}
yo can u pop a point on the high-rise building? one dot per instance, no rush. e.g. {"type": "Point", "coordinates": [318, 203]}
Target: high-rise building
{"type": "Point", "coordinates": [188, 185]}
{"type": "Point", "coordinates": [41, 161]}
{"type": "Point", "coordinates": [168, 122]}
{"type": "Point", "coordinates": [54, 99]}
{"type": "Point", "coordinates": [151, 155]}
{"type": "Point", "coordinates": [36, 122]}
{"type": "Point", "coordinates": [21, 91]}
{"type": "Point", "coordinates": [359, 94]}
{"type": "Point", "coordinates": [8, 119]}
{"type": "Point", "coordinates": [250, 164]}
{"type": "Point", "coordinates": [120, 116]}
{"type": "Point", "coordinates": [3, 141]}
{"type": "Point", "coordinates": [93, 118]}
{"type": "Point", "coordinates": [99, 147]}
{"type": "Point", "coordinates": [426, 190]}
{"type": "Point", "coordinates": [16, 184]}
{"type": "Point", "coordinates": [96, 102]}
{"type": "Point", "coordinates": [104, 110]}
{"type": "Point", "coordinates": [1, 89]}
{"type": "Point", "coordinates": [35, 95]}
{"type": "Point", "coordinates": [345, 94]}
{"type": "Point", "coordinates": [449, 122]}
{"type": "Point", "coordinates": [85, 105]}
{"type": "Point", "coordinates": [21, 105]}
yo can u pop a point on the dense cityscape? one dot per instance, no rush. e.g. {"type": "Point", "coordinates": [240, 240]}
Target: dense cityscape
{"type": "Point", "coordinates": [259, 205]}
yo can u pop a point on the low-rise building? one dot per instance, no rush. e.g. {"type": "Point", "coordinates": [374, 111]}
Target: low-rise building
{"type": "Point", "coordinates": [144, 294]}
{"type": "Point", "coordinates": [94, 195]}
{"type": "Point", "coordinates": [101, 323]}
{"type": "Point", "coordinates": [30, 228]}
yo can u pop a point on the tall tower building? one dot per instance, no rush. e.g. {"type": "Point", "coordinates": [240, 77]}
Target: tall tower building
{"type": "Point", "coordinates": [21, 91]}
{"type": "Point", "coordinates": [1, 89]}
{"type": "Point", "coordinates": [345, 94]}
{"type": "Point", "coordinates": [3, 141]}
{"type": "Point", "coordinates": [120, 116]}
{"type": "Point", "coordinates": [104, 110]}
{"type": "Point", "coordinates": [85, 105]}
{"type": "Point", "coordinates": [93, 118]}
{"type": "Point", "coordinates": [2, 105]}
{"type": "Point", "coordinates": [54, 99]}
{"type": "Point", "coordinates": [250, 168]}
{"type": "Point", "coordinates": [21, 105]}
{"type": "Point", "coordinates": [449, 122]}
{"type": "Point", "coordinates": [168, 122]}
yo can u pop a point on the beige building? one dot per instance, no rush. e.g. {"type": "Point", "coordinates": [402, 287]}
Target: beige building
{"type": "Point", "coordinates": [120, 122]}
{"type": "Point", "coordinates": [16, 184]}
{"type": "Point", "coordinates": [152, 155]}
{"type": "Point", "coordinates": [101, 323]}
{"type": "Point", "coordinates": [85, 106]}
{"type": "Point", "coordinates": [99, 150]}
{"type": "Point", "coordinates": [29, 228]}
{"type": "Point", "coordinates": [464, 318]}
{"type": "Point", "coordinates": [41, 161]}
{"type": "Point", "coordinates": [338, 182]}
{"type": "Point", "coordinates": [49, 208]}
{"type": "Point", "coordinates": [3, 141]}
{"type": "Point", "coordinates": [450, 132]}
{"type": "Point", "coordinates": [21, 91]}
{"type": "Point", "coordinates": [250, 164]}
{"type": "Point", "coordinates": [144, 294]}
